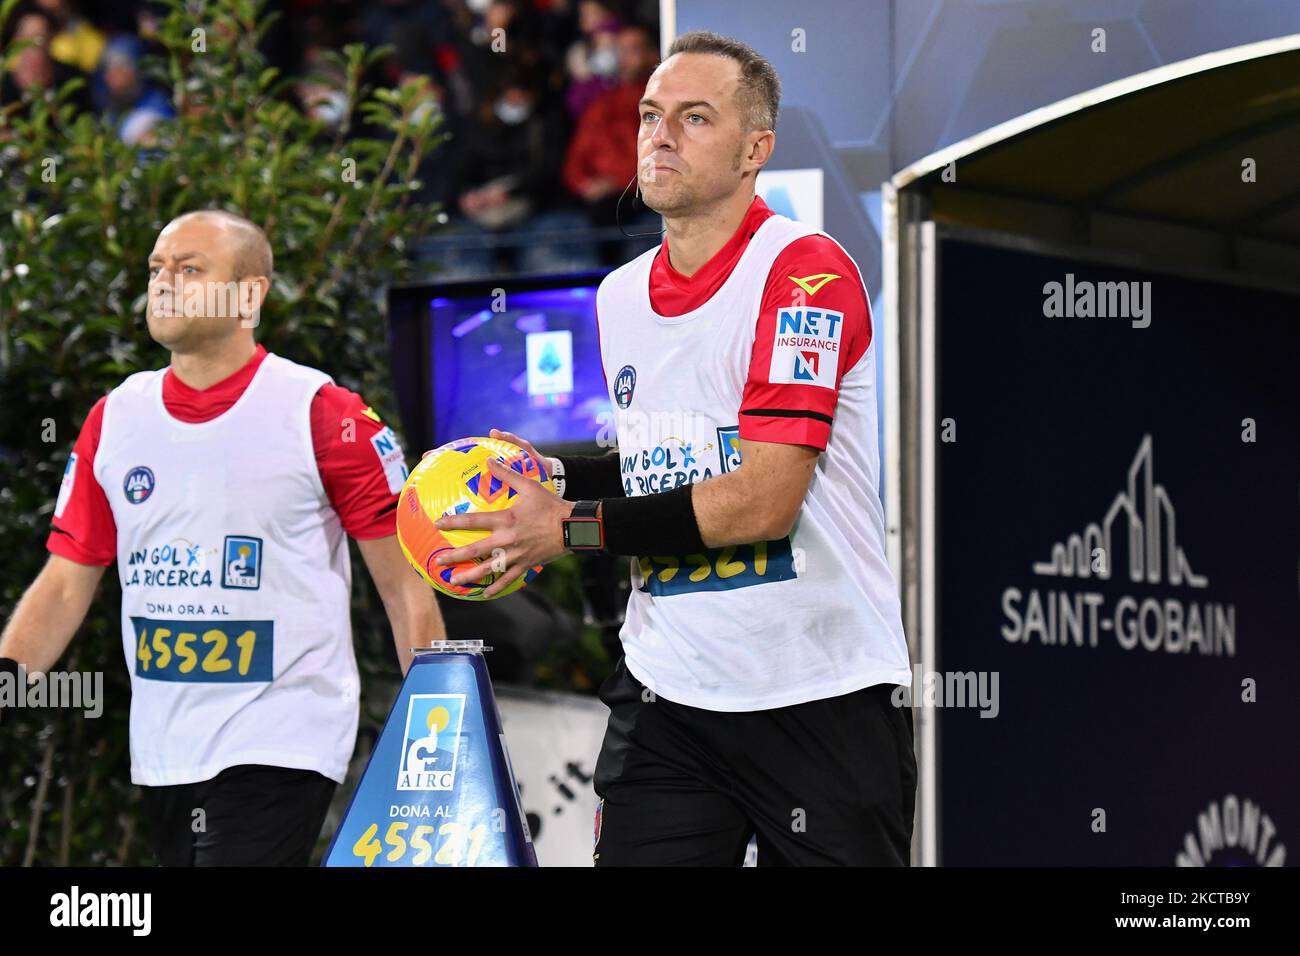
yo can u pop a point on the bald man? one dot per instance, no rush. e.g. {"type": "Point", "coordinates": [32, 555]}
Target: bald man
{"type": "Point", "coordinates": [225, 486]}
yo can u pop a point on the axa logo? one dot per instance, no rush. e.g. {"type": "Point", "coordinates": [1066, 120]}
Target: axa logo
{"type": "Point", "coordinates": [432, 742]}
{"type": "Point", "coordinates": [813, 284]}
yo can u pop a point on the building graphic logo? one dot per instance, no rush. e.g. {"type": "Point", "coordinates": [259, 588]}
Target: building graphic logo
{"type": "Point", "coordinates": [1145, 510]}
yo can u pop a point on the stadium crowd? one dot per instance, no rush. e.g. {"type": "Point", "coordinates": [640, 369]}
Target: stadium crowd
{"type": "Point", "coordinates": [538, 96]}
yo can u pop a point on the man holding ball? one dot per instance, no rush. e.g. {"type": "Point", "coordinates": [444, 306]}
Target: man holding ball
{"type": "Point", "coordinates": [763, 635]}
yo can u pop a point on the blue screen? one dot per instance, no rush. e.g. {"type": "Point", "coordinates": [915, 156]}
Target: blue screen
{"type": "Point", "coordinates": [526, 362]}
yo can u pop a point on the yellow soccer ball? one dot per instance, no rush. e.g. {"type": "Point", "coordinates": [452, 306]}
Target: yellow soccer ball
{"type": "Point", "coordinates": [451, 480]}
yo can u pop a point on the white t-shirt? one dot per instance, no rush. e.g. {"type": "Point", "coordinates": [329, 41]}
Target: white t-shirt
{"type": "Point", "coordinates": [776, 623]}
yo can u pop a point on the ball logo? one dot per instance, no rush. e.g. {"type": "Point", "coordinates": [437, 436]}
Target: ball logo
{"type": "Point", "coordinates": [624, 385]}
{"type": "Point", "coordinates": [138, 485]}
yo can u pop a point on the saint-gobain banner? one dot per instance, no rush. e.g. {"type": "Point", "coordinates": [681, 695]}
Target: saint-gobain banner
{"type": "Point", "coordinates": [1117, 538]}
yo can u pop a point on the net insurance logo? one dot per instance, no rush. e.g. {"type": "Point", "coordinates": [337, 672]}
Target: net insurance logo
{"type": "Point", "coordinates": [806, 347]}
{"type": "Point", "coordinates": [432, 742]}
{"type": "Point", "coordinates": [1141, 521]}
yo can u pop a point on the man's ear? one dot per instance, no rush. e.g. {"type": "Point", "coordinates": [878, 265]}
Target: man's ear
{"type": "Point", "coordinates": [253, 291]}
{"type": "Point", "coordinates": [762, 143]}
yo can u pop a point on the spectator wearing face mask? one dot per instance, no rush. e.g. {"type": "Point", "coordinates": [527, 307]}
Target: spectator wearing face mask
{"type": "Point", "coordinates": [592, 62]}
{"type": "Point", "coordinates": [507, 165]}
{"type": "Point", "coordinates": [509, 176]}
{"type": "Point", "coordinates": [505, 34]}
{"type": "Point", "coordinates": [601, 160]}
{"type": "Point", "coordinates": [320, 90]}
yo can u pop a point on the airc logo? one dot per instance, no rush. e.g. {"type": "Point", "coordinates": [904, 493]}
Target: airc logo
{"type": "Point", "coordinates": [432, 742]}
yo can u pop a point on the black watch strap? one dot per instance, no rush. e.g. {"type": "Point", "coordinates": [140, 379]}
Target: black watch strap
{"type": "Point", "coordinates": [584, 509]}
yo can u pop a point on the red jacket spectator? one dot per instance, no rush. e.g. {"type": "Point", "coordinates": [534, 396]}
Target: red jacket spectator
{"type": "Point", "coordinates": [604, 144]}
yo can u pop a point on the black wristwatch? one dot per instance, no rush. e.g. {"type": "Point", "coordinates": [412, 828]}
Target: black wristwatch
{"type": "Point", "coordinates": [583, 530]}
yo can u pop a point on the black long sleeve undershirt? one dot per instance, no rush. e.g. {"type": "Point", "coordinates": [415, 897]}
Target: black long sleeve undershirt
{"type": "Point", "coordinates": [591, 477]}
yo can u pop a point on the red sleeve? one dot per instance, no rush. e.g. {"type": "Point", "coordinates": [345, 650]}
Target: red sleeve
{"type": "Point", "coordinates": [814, 324]}
{"type": "Point", "coordinates": [83, 529]}
{"type": "Point", "coordinates": [361, 462]}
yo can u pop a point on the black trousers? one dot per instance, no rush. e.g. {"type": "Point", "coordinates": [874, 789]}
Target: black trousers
{"type": "Point", "coordinates": [828, 782]}
{"type": "Point", "coordinates": [251, 815]}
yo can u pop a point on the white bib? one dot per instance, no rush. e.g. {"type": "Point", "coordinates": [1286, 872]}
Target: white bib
{"type": "Point", "coordinates": [761, 625]}
{"type": "Point", "coordinates": [235, 582]}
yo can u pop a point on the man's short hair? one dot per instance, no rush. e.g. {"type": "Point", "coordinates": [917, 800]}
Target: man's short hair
{"type": "Point", "coordinates": [252, 253]}
{"type": "Point", "coordinates": [760, 87]}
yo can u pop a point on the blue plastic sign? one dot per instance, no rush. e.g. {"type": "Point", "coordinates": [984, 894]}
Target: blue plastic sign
{"type": "Point", "coordinates": [439, 789]}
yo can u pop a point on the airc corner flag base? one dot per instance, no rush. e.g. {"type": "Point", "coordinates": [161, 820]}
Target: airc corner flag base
{"type": "Point", "coordinates": [439, 789]}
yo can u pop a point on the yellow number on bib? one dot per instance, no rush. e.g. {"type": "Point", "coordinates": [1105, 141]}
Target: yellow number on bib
{"type": "Point", "coordinates": [726, 567]}
{"type": "Point", "coordinates": [670, 568]}
{"type": "Point", "coordinates": [245, 643]}
{"type": "Point", "coordinates": [189, 660]}
{"type": "Point", "coordinates": [160, 635]}
{"type": "Point", "coordinates": [142, 652]}
{"type": "Point", "coordinates": [214, 662]}
{"type": "Point", "coordinates": [702, 567]}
